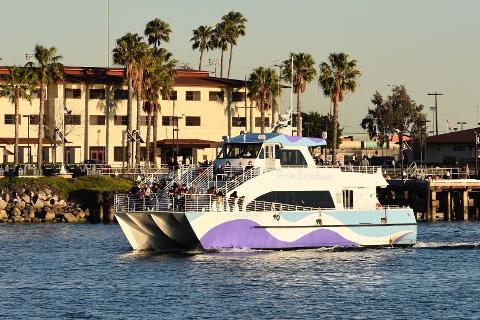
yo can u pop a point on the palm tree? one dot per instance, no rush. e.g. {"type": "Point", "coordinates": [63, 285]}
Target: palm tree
{"type": "Point", "coordinates": [49, 69]}
{"type": "Point", "coordinates": [126, 53]}
{"type": "Point", "coordinates": [19, 83]}
{"type": "Point", "coordinates": [157, 31]}
{"type": "Point", "coordinates": [201, 41]}
{"type": "Point", "coordinates": [159, 76]}
{"type": "Point", "coordinates": [336, 79]}
{"type": "Point", "coordinates": [235, 23]}
{"type": "Point", "coordinates": [263, 85]}
{"type": "Point", "coordinates": [303, 72]}
{"type": "Point", "coordinates": [220, 40]}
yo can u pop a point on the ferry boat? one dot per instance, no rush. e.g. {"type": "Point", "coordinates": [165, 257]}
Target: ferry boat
{"type": "Point", "coordinates": [265, 191]}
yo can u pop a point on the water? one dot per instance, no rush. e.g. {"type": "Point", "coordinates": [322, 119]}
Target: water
{"type": "Point", "coordinates": [61, 271]}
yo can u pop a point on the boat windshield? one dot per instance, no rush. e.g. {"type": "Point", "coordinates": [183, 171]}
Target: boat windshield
{"type": "Point", "coordinates": [241, 150]}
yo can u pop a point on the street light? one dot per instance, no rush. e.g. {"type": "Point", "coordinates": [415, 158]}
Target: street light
{"type": "Point", "coordinates": [476, 152]}
{"type": "Point", "coordinates": [28, 137]}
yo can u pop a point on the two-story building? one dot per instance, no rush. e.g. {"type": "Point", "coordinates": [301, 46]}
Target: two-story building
{"type": "Point", "coordinates": [200, 111]}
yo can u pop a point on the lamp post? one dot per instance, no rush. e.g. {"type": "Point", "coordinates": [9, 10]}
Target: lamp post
{"type": "Point", "coordinates": [476, 152]}
{"type": "Point", "coordinates": [28, 138]}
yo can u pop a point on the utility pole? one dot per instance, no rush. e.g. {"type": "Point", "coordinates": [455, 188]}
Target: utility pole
{"type": "Point", "coordinates": [436, 94]}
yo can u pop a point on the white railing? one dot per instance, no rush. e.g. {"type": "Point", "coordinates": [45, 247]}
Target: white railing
{"type": "Point", "coordinates": [197, 203]}
{"type": "Point", "coordinates": [238, 175]}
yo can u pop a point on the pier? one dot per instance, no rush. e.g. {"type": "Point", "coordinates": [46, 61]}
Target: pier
{"type": "Point", "coordinates": [433, 200]}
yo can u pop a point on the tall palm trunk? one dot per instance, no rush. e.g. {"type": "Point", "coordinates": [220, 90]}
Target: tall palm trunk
{"type": "Point", "coordinates": [155, 135]}
{"type": "Point", "coordinates": [201, 58]}
{"type": "Point", "coordinates": [107, 123]}
{"type": "Point", "coordinates": [149, 129]}
{"type": "Point", "coordinates": [262, 120]}
{"type": "Point", "coordinates": [139, 109]}
{"type": "Point", "coordinates": [230, 61]}
{"type": "Point", "coordinates": [41, 111]}
{"type": "Point", "coordinates": [17, 138]}
{"type": "Point", "coordinates": [299, 115]}
{"type": "Point", "coordinates": [129, 118]}
{"type": "Point", "coordinates": [221, 64]}
{"type": "Point", "coordinates": [335, 130]}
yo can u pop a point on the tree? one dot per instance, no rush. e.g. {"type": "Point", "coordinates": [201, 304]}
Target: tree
{"type": "Point", "coordinates": [220, 40]}
{"type": "Point", "coordinates": [126, 53]}
{"type": "Point", "coordinates": [48, 68]}
{"type": "Point", "coordinates": [201, 41]}
{"type": "Point", "coordinates": [316, 123]}
{"type": "Point", "coordinates": [18, 84]}
{"type": "Point", "coordinates": [303, 73]}
{"type": "Point", "coordinates": [235, 27]}
{"type": "Point", "coordinates": [397, 114]}
{"type": "Point", "coordinates": [263, 85]}
{"type": "Point", "coordinates": [157, 31]}
{"type": "Point", "coordinates": [336, 79]}
{"type": "Point", "coordinates": [159, 76]}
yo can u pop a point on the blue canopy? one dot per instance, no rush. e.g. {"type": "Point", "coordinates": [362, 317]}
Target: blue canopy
{"type": "Point", "coordinates": [283, 139]}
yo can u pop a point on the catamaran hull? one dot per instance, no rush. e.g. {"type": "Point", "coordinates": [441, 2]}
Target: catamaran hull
{"type": "Point", "coordinates": [156, 230]}
{"type": "Point", "coordinates": [295, 230]}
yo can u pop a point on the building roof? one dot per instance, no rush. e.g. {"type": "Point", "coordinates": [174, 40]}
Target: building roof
{"type": "Point", "coordinates": [464, 136]}
{"type": "Point", "coordinates": [100, 75]}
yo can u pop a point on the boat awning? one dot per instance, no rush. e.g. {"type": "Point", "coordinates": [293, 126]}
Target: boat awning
{"type": "Point", "coordinates": [192, 143]}
{"type": "Point", "coordinates": [283, 139]}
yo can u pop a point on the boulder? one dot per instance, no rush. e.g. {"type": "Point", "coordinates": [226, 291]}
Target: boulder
{"type": "Point", "coordinates": [17, 212]}
{"type": "Point", "coordinates": [60, 204]}
{"type": "Point", "coordinates": [3, 204]}
{"type": "Point", "coordinates": [81, 215]}
{"type": "Point", "coordinates": [20, 204]}
{"type": "Point", "coordinates": [70, 218]}
{"type": "Point", "coordinates": [38, 204]}
{"type": "Point", "coordinates": [3, 215]}
{"type": "Point", "coordinates": [87, 213]}
{"type": "Point", "coordinates": [26, 198]}
{"type": "Point", "coordinates": [49, 215]}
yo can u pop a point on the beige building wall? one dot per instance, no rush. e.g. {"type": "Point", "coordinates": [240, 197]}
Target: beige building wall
{"type": "Point", "coordinates": [85, 135]}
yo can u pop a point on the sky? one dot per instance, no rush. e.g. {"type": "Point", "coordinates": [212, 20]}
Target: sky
{"type": "Point", "coordinates": [427, 45]}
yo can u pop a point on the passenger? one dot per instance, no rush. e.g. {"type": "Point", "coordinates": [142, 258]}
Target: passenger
{"type": "Point", "coordinates": [349, 166]}
{"type": "Point", "coordinates": [240, 203]}
{"type": "Point", "coordinates": [365, 162]}
{"type": "Point", "coordinates": [220, 201]}
{"type": "Point", "coordinates": [231, 200]}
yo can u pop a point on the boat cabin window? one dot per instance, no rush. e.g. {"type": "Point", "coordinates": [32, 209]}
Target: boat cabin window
{"type": "Point", "coordinates": [315, 199]}
{"type": "Point", "coordinates": [292, 158]}
{"type": "Point", "coordinates": [348, 199]}
{"type": "Point", "coordinates": [240, 150]}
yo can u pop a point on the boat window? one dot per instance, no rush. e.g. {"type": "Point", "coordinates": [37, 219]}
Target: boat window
{"type": "Point", "coordinates": [277, 152]}
{"type": "Point", "coordinates": [261, 156]}
{"type": "Point", "coordinates": [315, 199]}
{"type": "Point", "coordinates": [348, 199]}
{"type": "Point", "coordinates": [223, 152]}
{"type": "Point", "coordinates": [292, 158]}
{"type": "Point", "coordinates": [244, 150]}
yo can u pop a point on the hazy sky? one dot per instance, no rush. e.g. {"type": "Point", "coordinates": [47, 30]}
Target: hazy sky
{"type": "Point", "coordinates": [428, 45]}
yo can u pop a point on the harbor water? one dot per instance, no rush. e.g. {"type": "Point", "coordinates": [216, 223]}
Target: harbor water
{"type": "Point", "coordinates": [61, 271]}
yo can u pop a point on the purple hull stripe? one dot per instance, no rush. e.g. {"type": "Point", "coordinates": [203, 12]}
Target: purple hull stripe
{"type": "Point", "coordinates": [243, 234]}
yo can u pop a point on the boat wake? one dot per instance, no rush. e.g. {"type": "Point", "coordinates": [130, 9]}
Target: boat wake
{"type": "Point", "coordinates": [447, 245]}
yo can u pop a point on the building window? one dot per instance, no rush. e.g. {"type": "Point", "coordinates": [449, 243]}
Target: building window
{"type": "Point", "coordinates": [36, 94]}
{"type": "Point", "coordinates": [216, 96]}
{"type": "Point", "coordinates": [238, 96]}
{"type": "Point", "coordinates": [239, 122]}
{"type": "Point", "coordinates": [192, 95]}
{"type": "Point", "coordinates": [73, 93]}
{"type": "Point", "coordinates": [10, 119]}
{"type": "Point", "coordinates": [258, 122]}
{"type": "Point", "coordinates": [192, 121]}
{"type": "Point", "coordinates": [168, 121]}
{"type": "Point", "coordinates": [144, 120]}
{"type": "Point", "coordinates": [458, 148]}
{"type": "Point", "coordinates": [34, 119]}
{"type": "Point", "coordinates": [119, 154]}
{"type": "Point", "coordinates": [173, 96]}
{"type": "Point", "coordinates": [97, 120]}
{"type": "Point", "coordinates": [97, 94]}
{"type": "Point", "coordinates": [72, 119]}
{"type": "Point", "coordinates": [120, 94]}
{"type": "Point", "coordinates": [120, 120]}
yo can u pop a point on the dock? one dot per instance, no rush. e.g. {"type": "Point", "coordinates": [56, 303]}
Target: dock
{"type": "Point", "coordinates": [433, 200]}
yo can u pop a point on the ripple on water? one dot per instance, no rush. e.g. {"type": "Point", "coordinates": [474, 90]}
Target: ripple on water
{"type": "Point", "coordinates": [60, 271]}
